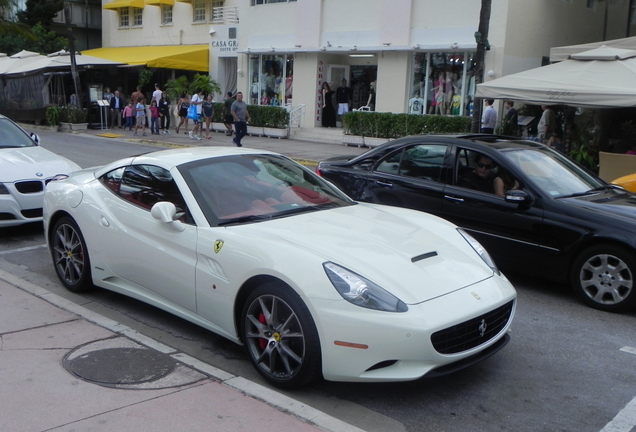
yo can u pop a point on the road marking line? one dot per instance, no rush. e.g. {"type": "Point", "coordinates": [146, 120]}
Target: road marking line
{"type": "Point", "coordinates": [24, 249]}
{"type": "Point", "coordinates": [624, 421]}
{"type": "Point", "coordinates": [628, 350]}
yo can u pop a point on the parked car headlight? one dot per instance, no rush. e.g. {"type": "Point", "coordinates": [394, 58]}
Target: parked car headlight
{"type": "Point", "coordinates": [362, 292]}
{"type": "Point", "coordinates": [3, 190]}
{"type": "Point", "coordinates": [480, 250]}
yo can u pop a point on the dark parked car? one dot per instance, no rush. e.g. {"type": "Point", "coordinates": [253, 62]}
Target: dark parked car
{"type": "Point", "coordinates": [555, 220]}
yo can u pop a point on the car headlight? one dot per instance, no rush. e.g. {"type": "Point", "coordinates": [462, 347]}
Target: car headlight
{"type": "Point", "coordinates": [362, 292]}
{"type": "Point", "coordinates": [480, 250]}
{"type": "Point", "coordinates": [3, 190]}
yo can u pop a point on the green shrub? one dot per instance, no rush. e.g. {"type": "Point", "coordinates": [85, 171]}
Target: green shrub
{"type": "Point", "coordinates": [268, 116]}
{"type": "Point", "coordinates": [53, 116]}
{"type": "Point", "coordinates": [389, 125]}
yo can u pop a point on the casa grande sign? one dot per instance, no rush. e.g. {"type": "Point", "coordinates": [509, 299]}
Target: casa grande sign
{"type": "Point", "coordinates": [225, 45]}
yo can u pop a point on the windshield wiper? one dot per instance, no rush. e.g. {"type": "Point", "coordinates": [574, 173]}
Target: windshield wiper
{"type": "Point", "coordinates": [243, 219]}
{"type": "Point", "coordinates": [593, 191]}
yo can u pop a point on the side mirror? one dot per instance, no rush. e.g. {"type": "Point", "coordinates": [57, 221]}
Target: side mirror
{"type": "Point", "coordinates": [35, 138]}
{"type": "Point", "coordinates": [166, 212]}
{"type": "Point", "coordinates": [517, 196]}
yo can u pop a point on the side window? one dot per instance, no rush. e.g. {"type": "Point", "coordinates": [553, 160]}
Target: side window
{"type": "Point", "coordinates": [423, 162]}
{"type": "Point", "coordinates": [419, 161]}
{"type": "Point", "coordinates": [391, 164]}
{"type": "Point", "coordinates": [112, 179]}
{"type": "Point", "coordinates": [144, 185]}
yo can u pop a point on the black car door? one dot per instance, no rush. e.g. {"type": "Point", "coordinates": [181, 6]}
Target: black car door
{"type": "Point", "coordinates": [413, 176]}
{"type": "Point", "coordinates": [510, 232]}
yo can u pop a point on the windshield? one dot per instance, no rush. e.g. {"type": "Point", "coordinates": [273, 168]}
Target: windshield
{"type": "Point", "coordinates": [251, 188]}
{"type": "Point", "coordinates": [552, 172]}
{"type": "Point", "coordinates": [11, 136]}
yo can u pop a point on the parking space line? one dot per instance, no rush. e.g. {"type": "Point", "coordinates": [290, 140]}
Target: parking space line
{"type": "Point", "coordinates": [24, 249]}
{"type": "Point", "coordinates": [628, 350]}
{"type": "Point", "coordinates": [624, 421]}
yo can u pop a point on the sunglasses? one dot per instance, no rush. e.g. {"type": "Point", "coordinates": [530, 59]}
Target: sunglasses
{"type": "Point", "coordinates": [483, 165]}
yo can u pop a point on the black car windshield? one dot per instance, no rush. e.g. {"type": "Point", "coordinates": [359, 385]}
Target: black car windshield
{"type": "Point", "coordinates": [11, 136]}
{"type": "Point", "coordinates": [552, 172]}
{"type": "Point", "coordinates": [253, 188]}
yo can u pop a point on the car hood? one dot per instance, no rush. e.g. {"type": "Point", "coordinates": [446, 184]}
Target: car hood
{"type": "Point", "coordinates": [383, 244]}
{"type": "Point", "coordinates": [26, 162]}
{"type": "Point", "coordinates": [615, 202]}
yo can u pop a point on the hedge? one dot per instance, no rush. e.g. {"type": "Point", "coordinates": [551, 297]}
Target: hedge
{"type": "Point", "coordinates": [389, 125]}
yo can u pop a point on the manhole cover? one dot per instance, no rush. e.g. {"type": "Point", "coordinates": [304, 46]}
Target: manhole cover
{"type": "Point", "coordinates": [116, 366]}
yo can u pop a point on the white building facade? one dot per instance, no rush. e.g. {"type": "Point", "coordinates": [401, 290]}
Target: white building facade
{"type": "Point", "coordinates": [419, 53]}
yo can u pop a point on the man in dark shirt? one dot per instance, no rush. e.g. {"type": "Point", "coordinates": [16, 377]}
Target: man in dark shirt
{"type": "Point", "coordinates": [481, 178]}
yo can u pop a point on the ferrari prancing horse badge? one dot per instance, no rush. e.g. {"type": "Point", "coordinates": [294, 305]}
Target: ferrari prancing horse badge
{"type": "Point", "coordinates": [218, 245]}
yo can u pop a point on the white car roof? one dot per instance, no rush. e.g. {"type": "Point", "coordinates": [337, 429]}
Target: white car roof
{"type": "Point", "coordinates": [175, 157]}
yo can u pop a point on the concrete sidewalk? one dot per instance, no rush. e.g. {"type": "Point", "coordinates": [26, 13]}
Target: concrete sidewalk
{"type": "Point", "coordinates": [65, 368]}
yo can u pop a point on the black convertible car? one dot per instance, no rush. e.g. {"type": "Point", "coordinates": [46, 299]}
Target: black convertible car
{"type": "Point", "coordinates": [532, 208]}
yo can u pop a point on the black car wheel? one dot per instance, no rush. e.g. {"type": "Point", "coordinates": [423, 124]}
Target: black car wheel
{"type": "Point", "coordinates": [603, 276]}
{"type": "Point", "coordinates": [280, 336]}
{"type": "Point", "coordinates": [70, 256]}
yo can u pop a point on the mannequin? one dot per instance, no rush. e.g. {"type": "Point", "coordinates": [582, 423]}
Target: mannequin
{"type": "Point", "coordinates": [440, 107]}
{"type": "Point", "coordinates": [416, 104]}
{"type": "Point", "coordinates": [371, 100]}
{"type": "Point", "coordinates": [448, 91]}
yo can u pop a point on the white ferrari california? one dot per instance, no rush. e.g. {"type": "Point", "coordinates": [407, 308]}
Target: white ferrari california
{"type": "Point", "coordinates": [25, 168]}
{"type": "Point", "coordinates": [262, 251]}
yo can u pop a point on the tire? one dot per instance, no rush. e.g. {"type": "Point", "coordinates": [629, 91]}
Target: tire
{"type": "Point", "coordinates": [70, 256]}
{"type": "Point", "coordinates": [604, 277]}
{"type": "Point", "coordinates": [280, 336]}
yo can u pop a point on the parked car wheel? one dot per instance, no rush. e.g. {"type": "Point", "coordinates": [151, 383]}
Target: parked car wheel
{"type": "Point", "coordinates": [70, 256]}
{"type": "Point", "coordinates": [280, 336]}
{"type": "Point", "coordinates": [603, 277]}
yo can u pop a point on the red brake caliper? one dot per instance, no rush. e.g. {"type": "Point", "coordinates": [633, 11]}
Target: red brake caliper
{"type": "Point", "coordinates": [262, 342]}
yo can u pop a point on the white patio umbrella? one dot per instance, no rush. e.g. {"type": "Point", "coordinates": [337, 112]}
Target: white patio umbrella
{"type": "Point", "coordinates": [60, 60]}
{"type": "Point", "coordinates": [603, 77]}
{"type": "Point", "coordinates": [18, 60]}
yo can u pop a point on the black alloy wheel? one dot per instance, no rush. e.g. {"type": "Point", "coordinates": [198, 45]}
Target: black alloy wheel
{"type": "Point", "coordinates": [280, 336]}
{"type": "Point", "coordinates": [70, 256]}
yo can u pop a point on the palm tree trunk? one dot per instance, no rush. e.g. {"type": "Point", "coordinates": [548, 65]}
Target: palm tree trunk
{"type": "Point", "coordinates": [482, 46]}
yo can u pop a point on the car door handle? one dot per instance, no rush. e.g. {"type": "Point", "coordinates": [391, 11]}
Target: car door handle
{"type": "Point", "coordinates": [104, 221]}
{"type": "Point", "coordinates": [459, 200]}
{"type": "Point", "coordinates": [385, 184]}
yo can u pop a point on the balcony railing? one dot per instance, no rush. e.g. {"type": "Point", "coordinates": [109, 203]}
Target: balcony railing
{"type": "Point", "coordinates": [225, 15]}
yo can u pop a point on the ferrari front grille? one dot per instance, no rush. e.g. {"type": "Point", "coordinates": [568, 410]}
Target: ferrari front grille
{"type": "Point", "coordinates": [472, 333]}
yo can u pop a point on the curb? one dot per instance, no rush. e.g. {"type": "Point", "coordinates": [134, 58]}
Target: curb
{"type": "Point", "coordinates": [271, 397]}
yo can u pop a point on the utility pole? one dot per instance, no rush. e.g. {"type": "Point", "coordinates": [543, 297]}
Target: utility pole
{"type": "Point", "coordinates": [481, 37]}
{"type": "Point", "coordinates": [71, 45]}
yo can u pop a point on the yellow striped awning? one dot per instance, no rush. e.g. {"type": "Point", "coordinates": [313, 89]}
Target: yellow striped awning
{"type": "Point", "coordinates": [116, 4]}
{"type": "Point", "coordinates": [160, 2]}
{"type": "Point", "coordinates": [186, 57]}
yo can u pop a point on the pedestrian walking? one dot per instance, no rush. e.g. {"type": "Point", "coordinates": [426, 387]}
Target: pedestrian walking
{"type": "Point", "coordinates": [164, 113]}
{"type": "Point", "coordinates": [241, 116]}
{"type": "Point", "coordinates": [116, 106]}
{"type": "Point", "coordinates": [183, 103]}
{"type": "Point", "coordinates": [228, 120]}
{"type": "Point", "coordinates": [154, 118]}
{"type": "Point", "coordinates": [488, 118]}
{"type": "Point", "coordinates": [197, 101]}
{"type": "Point", "coordinates": [208, 113]}
{"type": "Point", "coordinates": [128, 114]}
{"type": "Point", "coordinates": [140, 110]}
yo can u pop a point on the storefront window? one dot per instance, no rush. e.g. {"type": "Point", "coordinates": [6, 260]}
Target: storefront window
{"type": "Point", "coordinates": [442, 83]}
{"type": "Point", "coordinates": [271, 79]}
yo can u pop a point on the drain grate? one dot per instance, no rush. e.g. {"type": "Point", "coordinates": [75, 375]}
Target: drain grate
{"type": "Point", "coordinates": [121, 366]}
